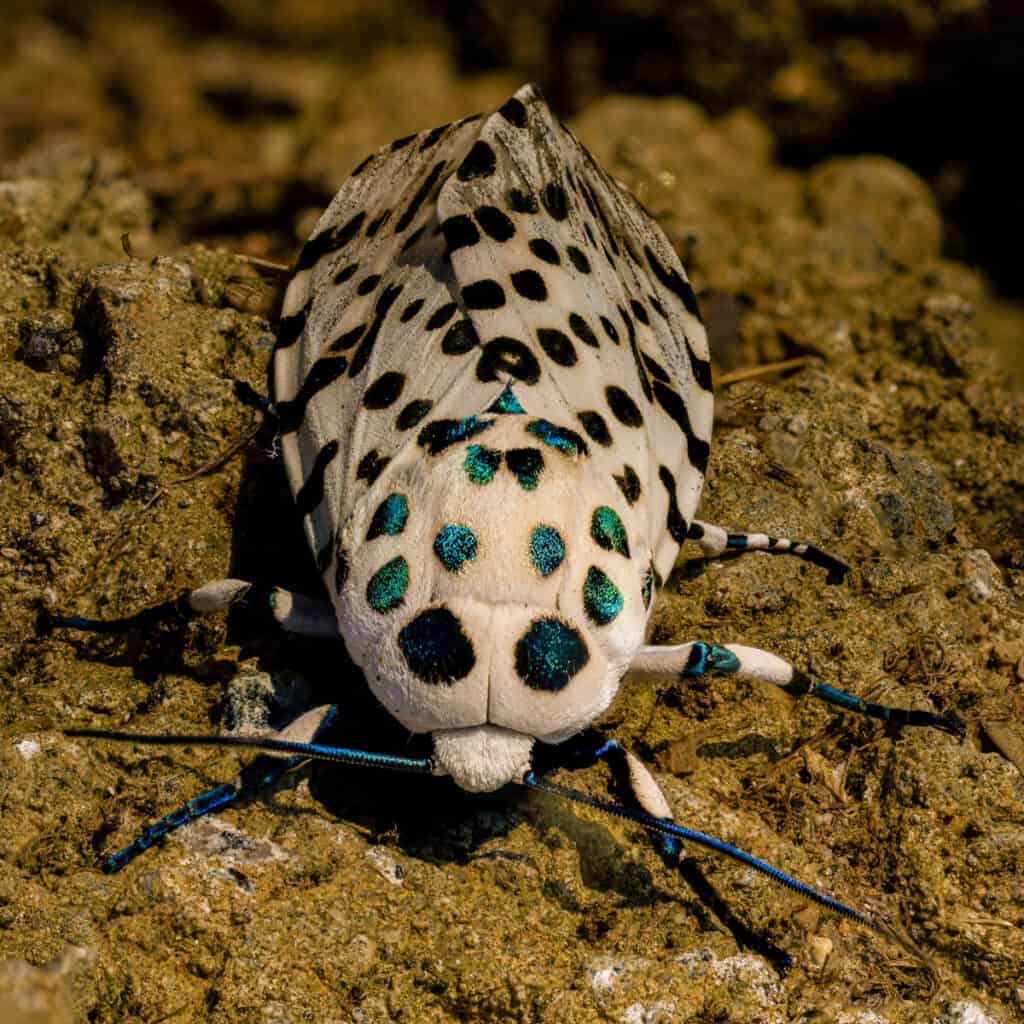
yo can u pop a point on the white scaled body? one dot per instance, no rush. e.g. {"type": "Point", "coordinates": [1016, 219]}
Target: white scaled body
{"type": "Point", "coordinates": [495, 408]}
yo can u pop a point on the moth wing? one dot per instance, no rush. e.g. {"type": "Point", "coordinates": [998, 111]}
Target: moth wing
{"type": "Point", "coordinates": [596, 297]}
{"type": "Point", "coordinates": [371, 340]}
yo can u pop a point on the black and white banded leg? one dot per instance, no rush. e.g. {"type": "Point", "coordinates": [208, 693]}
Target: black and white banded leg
{"type": "Point", "coordinates": [699, 658]}
{"type": "Point", "coordinates": [271, 607]}
{"type": "Point", "coordinates": [715, 541]}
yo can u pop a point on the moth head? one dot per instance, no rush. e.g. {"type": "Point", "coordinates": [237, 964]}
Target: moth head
{"type": "Point", "coordinates": [494, 590]}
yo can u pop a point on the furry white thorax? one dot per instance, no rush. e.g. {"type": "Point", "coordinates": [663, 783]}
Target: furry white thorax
{"type": "Point", "coordinates": [483, 758]}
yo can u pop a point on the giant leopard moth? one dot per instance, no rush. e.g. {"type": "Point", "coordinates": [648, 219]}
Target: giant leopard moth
{"type": "Point", "coordinates": [492, 393]}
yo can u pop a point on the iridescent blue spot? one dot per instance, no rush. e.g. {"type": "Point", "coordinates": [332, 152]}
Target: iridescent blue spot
{"type": "Point", "coordinates": [455, 545]}
{"type": "Point", "coordinates": [390, 518]}
{"type": "Point", "coordinates": [481, 463]}
{"type": "Point", "coordinates": [602, 600]}
{"type": "Point", "coordinates": [549, 655]}
{"type": "Point", "coordinates": [526, 464]}
{"type": "Point", "coordinates": [387, 586]}
{"type": "Point", "coordinates": [435, 648]}
{"type": "Point", "coordinates": [647, 591]}
{"type": "Point", "coordinates": [506, 402]}
{"type": "Point", "coordinates": [608, 532]}
{"type": "Point", "coordinates": [566, 441]}
{"type": "Point", "coordinates": [440, 434]}
{"type": "Point", "coordinates": [547, 549]}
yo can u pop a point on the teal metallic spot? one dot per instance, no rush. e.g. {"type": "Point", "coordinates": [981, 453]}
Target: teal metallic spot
{"type": "Point", "coordinates": [566, 441]}
{"type": "Point", "coordinates": [481, 463]}
{"type": "Point", "coordinates": [390, 518]}
{"type": "Point", "coordinates": [549, 655]}
{"type": "Point", "coordinates": [526, 464]}
{"type": "Point", "coordinates": [648, 588]}
{"type": "Point", "coordinates": [602, 600]}
{"type": "Point", "coordinates": [455, 545]}
{"type": "Point", "coordinates": [608, 532]}
{"type": "Point", "coordinates": [387, 587]}
{"type": "Point", "coordinates": [506, 402]}
{"type": "Point", "coordinates": [547, 549]}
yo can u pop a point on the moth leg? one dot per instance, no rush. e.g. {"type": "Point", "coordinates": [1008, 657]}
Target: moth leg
{"type": "Point", "coordinates": [633, 782]}
{"type": "Point", "coordinates": [262, 772]}
{"type": "Point", "coordinates": [715, 541]}
{"type": "Point", "coordinates": [699, 658]}
{"type": "Point", "coordinates": [270, 606]}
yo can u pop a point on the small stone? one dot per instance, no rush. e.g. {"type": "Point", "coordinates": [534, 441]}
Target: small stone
{"type": "Point", "coordinates": [27, 749]}
{"type": "Point", "coordinates": [819, 949]}
{"type": "Point", "coordinates": [981, 576]}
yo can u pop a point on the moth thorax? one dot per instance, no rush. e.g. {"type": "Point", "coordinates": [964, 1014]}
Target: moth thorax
{"type": "Point", "coordinates": [482, 758]}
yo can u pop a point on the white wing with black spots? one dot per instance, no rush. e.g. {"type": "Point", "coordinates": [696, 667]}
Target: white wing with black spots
{"type": "Point", "coordinates": [494, 403]}
{"type": "Point", "coordinates": [371, 340]}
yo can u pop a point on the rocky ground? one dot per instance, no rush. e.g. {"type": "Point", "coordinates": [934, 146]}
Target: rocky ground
{"type": "Point", "coordinates": [128, 472]}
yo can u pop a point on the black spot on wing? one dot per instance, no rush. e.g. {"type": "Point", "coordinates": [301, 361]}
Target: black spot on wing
{"type": "Point", "coordinates": [544, 250]}
{"type": "Point", "coordinates": [645, 384]}
{"type": "Point", "coordinates": [375, 225]}
{"type": "Point", "coordinates": [623, 407]}
{"type": "Point", "coordinates": [497, 224]}
{"type": "Point", "coordinates": [508, 355]}
{"type": "Point", "coordinates": [459, 338]}
{"type": "Point", "coordinates": [578, 258]}
{"type": "Point", "coordinates": [413, 413]}
{"type": "Point", "coordinates": [384, 391]}
{"type": "Point", "coordinates": [656, 369]}
{"type": "Point", "coordinates": [639, 312]}
{"type": "Point", "coordinates": [329, 241]}
{"type": "Point", "coordinates": [700, 368]}
{"type": "Point", "coordinates": [345, 273]}
{"type": "Point", "coordinates": [555, 200]}
{"type": "Point", "coordinates": [347, 339]}
{"type": "Point", "coordinates": [671, 279]}
{"type": "Point", "coordinates": [323, 372]}
{"type": "Point", "coordinates": [371, 465]}
{"type": "Point", "coordinates": [459, 231]}
{"type": "Point", "coordinates": [411, 310]}
{"type": "Point", "coordinates": [485, 294]}
{"type": "Point", "coordinates": [418, 199]}
{"type": "Point", "coordinates": [697, 450]}
{"type": "Point", "coordinates": [530, 285]}
{"type": "Point", "coordinates": [290, 328]}
{"type": "Point", "coordinates": [521, 202]}
{"type": "Point", "coordinates": [368, 284]}
{"type": "Point", "coordinates": [676, 523]}
{"type": "Point", "coordinates": [582, 330]}
{"type": "Point", "coordinates": [629, 484]}
{"type": "Point", "coordinates": [433, 137]}
{"type": "Point", "coordinates": [557, 346]}
{"type": "Point", "coordinates": [595, 426]}
{"type": "Point", "coordinates": [514, 111]}
{"type": "Point", "coordinates": [480, 162]}
{"type": "Point", "coordinates": [610, 329]}
{"type": "Point", "coordinates": [311, 493]}
{"type": "Point", "coordinates": [384, 303]}
{"type": "Point", "coordinates": [441, 316]}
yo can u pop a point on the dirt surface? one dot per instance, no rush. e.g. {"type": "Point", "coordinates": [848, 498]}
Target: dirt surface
{"type": "Point", "coordinates": [349, 896]}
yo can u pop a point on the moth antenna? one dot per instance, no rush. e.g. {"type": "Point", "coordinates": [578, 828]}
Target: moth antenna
{"type": "Point", "coordinates": [660, 826]}
{"type": "Point", "coordinates": [306, 751]}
